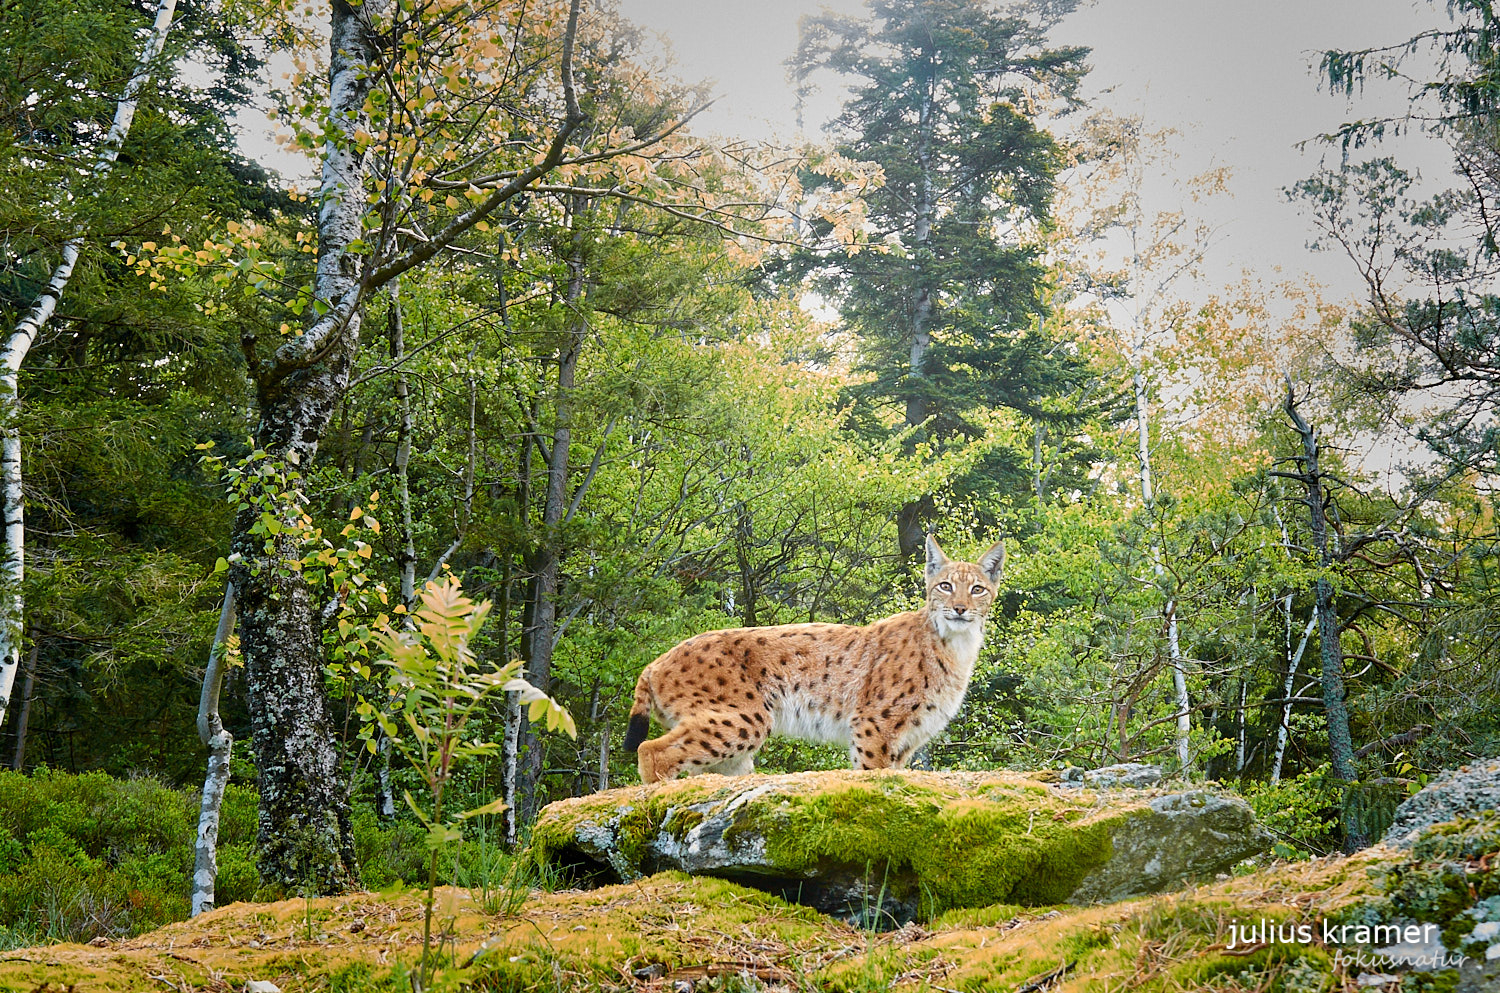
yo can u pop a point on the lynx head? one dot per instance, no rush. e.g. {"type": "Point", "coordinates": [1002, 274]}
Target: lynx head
{"type": "Point", "coordinates": [960, 594]}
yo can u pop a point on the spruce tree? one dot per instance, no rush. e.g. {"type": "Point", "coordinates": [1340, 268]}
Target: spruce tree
{"type": "Point", "coordinates": [947, 306]}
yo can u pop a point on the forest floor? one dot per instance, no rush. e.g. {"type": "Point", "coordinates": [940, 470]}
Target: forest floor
{"type": "Point", "coordinates": [671, 929]}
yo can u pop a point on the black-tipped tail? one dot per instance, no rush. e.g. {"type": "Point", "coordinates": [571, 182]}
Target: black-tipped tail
{"type": "Point", "coordinates": [640, 726]}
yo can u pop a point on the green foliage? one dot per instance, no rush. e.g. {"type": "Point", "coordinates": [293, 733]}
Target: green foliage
{"type": "Point", "coordinates": [442, 689]}
{"type": "Point", "coordinates": [89, 855]}
{"type": "Point", "coordinates": [949, 303]}
{"type": "Point", "coordinates": [1302, 812]}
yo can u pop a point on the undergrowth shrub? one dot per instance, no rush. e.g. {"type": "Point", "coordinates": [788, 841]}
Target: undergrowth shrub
{"type": "Point", "coordinates": [1301, 812]}
{"type": "Point", "coordinates": [87, 855]}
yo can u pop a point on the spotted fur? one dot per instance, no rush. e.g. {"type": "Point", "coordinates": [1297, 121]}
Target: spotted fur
{"type": "Point", "coordinates": [883, 689]}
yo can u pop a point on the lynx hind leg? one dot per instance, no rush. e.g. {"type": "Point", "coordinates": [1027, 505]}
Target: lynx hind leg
{"type": "Point", "coordinates": [742, 764]}
{"type": "Point", "coordinates": [711, 743]}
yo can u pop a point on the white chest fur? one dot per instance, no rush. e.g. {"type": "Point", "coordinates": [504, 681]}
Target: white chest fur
{"type": "Point", "coordinates": [962, 639]}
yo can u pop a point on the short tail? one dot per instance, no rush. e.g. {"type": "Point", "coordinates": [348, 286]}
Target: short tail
{"type": "Point", "coordinates": [640, 716]}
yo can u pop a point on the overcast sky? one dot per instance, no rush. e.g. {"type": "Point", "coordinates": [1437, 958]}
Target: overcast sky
{"type": "Point", "coordinates": [1236, 78]}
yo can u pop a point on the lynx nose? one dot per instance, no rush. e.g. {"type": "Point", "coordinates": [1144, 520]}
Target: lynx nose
{"type": "Point", "coordinates": [960, 609]}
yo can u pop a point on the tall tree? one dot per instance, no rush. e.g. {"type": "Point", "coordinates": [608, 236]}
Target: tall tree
{"type": "Point", "coordinates": [18, 344]}
{"type": "Point", "coordinates": [946, 305]}
{"type": "Point", "coordinates": [422, 145]}
{"type": "Point", "coordinates": [1432, 325]}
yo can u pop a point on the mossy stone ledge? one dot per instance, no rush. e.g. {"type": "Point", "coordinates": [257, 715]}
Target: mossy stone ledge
{"type": "Point", "coordinates": [889, 847]}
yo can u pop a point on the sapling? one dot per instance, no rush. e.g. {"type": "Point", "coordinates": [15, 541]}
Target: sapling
{"type": "Point", "coordinates": [442, 686]}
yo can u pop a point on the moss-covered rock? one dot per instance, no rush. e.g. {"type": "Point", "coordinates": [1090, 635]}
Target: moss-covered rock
{"type": "Point", "coordinates": [899, 846]}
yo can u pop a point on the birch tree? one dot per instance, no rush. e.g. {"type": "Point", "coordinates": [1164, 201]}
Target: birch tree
{"type": "Point", "coordinates": [433, 118]}
{"type": "Point", "coordinates": [220, 744]}
{"type": "Point", "coordinates": [13, 355]}
{"type": "Point", "coordinates": [1143, 260]}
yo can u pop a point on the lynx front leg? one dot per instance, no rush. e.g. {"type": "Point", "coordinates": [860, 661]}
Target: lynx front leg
{"type": "Point", "coordinates": [870, 748]}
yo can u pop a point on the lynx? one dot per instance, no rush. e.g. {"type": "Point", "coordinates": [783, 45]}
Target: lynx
{"type": "Point", "coordinates": [883, 689]}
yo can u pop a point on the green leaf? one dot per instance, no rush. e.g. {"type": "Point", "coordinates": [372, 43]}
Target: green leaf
{"type": "Point", "coordinates": [493, 807]}
{"type": "Point", "coordinates": [441, 835]}
{"type": "Point", "coordinates": [421, 814]}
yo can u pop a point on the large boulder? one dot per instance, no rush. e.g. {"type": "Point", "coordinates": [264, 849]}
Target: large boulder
{"type": "Point", "coordinates": [1467, 791]}
{"type": "Point", "coordinates": [897, 846]}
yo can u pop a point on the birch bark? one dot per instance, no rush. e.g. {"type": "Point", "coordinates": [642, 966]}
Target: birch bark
{"type": "Point", "coordinates": [1169, 610]}
{"type": "Point", "coordinates": [18, 343]}
{"type": "Point", "coordinates": [305, 842]}
{"type": "Point", "coordinates": [220, 744]}
{"type": "Point", "coordinates": [1294, 660]}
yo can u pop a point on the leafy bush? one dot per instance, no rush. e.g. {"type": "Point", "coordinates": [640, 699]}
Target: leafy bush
{"type": "Point", "coordinates": [388, 855]}
{"type": "Point", "coordinates": [87, 855]}
{"type": "Point", "coordinates": [1301, 812]}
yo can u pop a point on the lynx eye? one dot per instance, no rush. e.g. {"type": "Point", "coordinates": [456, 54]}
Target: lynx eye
{"type": "Point", "coordinates": [945, 587]}
{"type": "Point", "coordinates": [979, 591]}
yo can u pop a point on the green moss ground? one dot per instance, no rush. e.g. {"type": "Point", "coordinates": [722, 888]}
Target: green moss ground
{"type": "Point", "coordinates": [673, 927]}
{"type": "Point", "coordinates": [699, 928]}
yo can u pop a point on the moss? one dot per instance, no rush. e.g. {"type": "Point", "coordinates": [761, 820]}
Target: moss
{"type": "Point", "coordinates": [976, 917]}
{"type": "Point", "coordinates": [631, 817]}
{"type": "Point", "coordinates": [581, 941]}
{"type": "Point", "coordinates": [681, 820]}
{"type": "Point", "coordinates": [1013, 842]}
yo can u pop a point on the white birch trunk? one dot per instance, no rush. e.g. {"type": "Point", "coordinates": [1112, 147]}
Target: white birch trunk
{"type": "Point", "coordinates": [220, 744]}
{"type": "Point", "coordinates": [1292, 662]}
{"type": "Point", "coordinates": [1148, 496]}
{"type": "Point", "coordinates": [18, 343]}
{"type": "Point", "coordinates": [510, 767]}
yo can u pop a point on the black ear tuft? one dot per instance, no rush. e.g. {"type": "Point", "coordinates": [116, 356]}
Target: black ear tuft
{"type": "Point", "coordinates": [935, 557]}
{"type": "Point", "coordinates": [993, 561]}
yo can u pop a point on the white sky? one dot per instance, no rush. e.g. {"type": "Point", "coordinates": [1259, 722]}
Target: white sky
{"type": "Point", "coordinates": [1236, 78]}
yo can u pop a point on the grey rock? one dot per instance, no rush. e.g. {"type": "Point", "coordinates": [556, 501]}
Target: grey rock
{"type": "Point", "coordinates": [1185, 837]}
{"type": "Point", "coordinates": [1467, 790]}
{"type": "Point", "coordinates": [1132, 842]}
{"type": "Point", "coordinates": [1135, 775]}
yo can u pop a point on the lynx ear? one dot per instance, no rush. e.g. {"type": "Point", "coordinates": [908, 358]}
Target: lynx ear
{"type": "Point", "coordinates": [993, 561]}
{"type": "Point", "coordinates": [935, 557]}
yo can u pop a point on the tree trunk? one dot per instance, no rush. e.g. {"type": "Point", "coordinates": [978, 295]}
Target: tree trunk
{"type": "Point", "coordinates": [406, 562]}
{"type": "Point", "coordinates": [18, 343]}
{"type": "Point", "coordinates": [1330, 650]}
{"type": "Point", "coordinates": [540, 632]}
{"type": "Point", "coordinates": [305, 842]}
{"type": "Point", "coordinates": [23, 719]}
{"type": "Point", "coordinates": [1294, 659]}
{"type": "Point", "coordinates": [911, 530]}
{"type": "Point", "coordinates": [1148, 497]}
{"type": "Point", "coordinates": [604, 756]}
{"type": "Point", "coordinates": [407, 557]}
{"type": "Point", "coordinates": [509, 770]}
{"type": "Point", "coordinates": [220, 744]}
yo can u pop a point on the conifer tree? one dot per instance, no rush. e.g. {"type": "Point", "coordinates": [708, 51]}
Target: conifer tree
{"type": "Point", "coordinates": [947, 305]}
